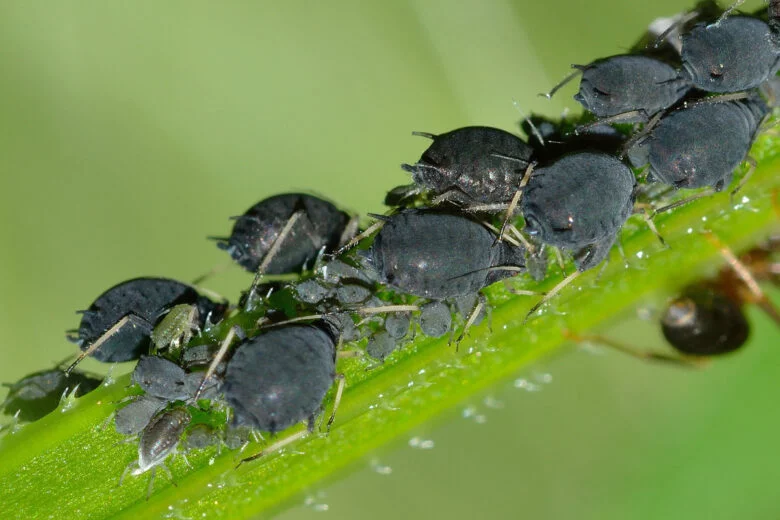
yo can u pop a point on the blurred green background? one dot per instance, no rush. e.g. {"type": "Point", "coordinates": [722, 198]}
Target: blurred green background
{"type": "Point", "coordinates": [130, 131]}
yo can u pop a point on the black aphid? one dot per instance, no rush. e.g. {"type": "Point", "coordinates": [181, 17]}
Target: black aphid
{"type": "Point", "coordinates": [440, 255]}
{"type": "Point", "coordinates": [733, 54]}
{"type": "Point", "coordinates": [118, 325]}
{"type": "Point", "coordinates": [474, 164]}
{"type": "Point", "coordinates": [304, 226]}
{"type": "Point", "coordinates": [579, 204]}
{"type": "Point", "coordinates": [40, 393]}
{"type": "Point", "coordinates": [634, 86]}
{"type": "Point", "coordinates": [702, 144]}
{"type": "Point", "coordinates": [280, 377]}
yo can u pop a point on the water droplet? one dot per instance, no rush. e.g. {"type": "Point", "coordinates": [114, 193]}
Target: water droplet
{"type": "Point", "coordinates": [640, 254]}
{"type": "Point", "coordinates": [689, 230]}
{"type": "Point", "coordinates": [421, 444]}
{"type": "Point", "coordinates": [380, 468]}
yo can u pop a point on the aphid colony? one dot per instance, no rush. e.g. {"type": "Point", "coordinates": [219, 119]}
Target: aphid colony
{"type": "Point", "coordinates": [484, 205]}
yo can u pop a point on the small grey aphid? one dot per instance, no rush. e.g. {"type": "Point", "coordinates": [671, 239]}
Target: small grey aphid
{"type": "Point", "coordinates": [118, 325]}
{"type": "Point", "coordinates": [435, 319]}
{"type": "Point", "coordinates": [381, 345]}
{"type": "Point", "coordinates": [320, 226]}
{"type": "Point", "coordinates": [702, 144]}
{"type": "Point", "coordinates": [629, 83]}
{"type": "Point", "coordinates": [472, 164]}
{"type": "Point", "coordinates": [161, 378]}
{"type": "Point", "coordinates": [133, 418]}
{"type": "Point", "coordinates": [440, 255]}
{"type": "Point", "coordinates": [579, 203]}
{"type": "Point", "coordinates": [280, 377]}
{"type": "Point", "coordinates": [397, 324]}
{"type": "Point", "coordinates": [731, 55]}
{"type": "Point", "coordinates": [159, 440]}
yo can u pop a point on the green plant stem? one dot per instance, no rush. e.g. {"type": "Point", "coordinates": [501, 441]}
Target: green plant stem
{"type": "Point", "coordinates": [68, 464]}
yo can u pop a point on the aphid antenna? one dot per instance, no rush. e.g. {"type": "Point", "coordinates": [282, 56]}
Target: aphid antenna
{"type": "Point", "coordinates": [275, 447]}
{"type": "Point", "coordinates": [726, 13]}
{"type": "Point", "coordinates": [744, 274]}
{"type": "Point", "coordinates": [683, 362]}
{"type": "Point", "coordinates": [550, 294]}
{"type": "Point", "coordinates": [534, 130]}
{"type": "Point", "coordinates": [212, 272]}
{"type": "Point", "coordinates": [564, 81]}
{"type": "Point", "coordinates": [720, 98]}
{"type": "Point", "coordinates": [425, 134]}
{"type": "Point", "coordinates": [494, 229]}
{"type": "Point", "coordinates": [223, 348]}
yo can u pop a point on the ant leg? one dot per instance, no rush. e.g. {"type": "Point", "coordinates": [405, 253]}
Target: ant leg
{"type": "Point", "coordinates": [745, 275]}
{"type": "Point", "coordinates": [641, 354]}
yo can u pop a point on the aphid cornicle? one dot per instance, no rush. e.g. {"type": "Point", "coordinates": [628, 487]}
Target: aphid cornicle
{"type": "Point", "coordinates": [119, 324]}
{"type": "Point", "coordinates": [306, 226]}
{"type": "Point", "coordinates": [280, 377]}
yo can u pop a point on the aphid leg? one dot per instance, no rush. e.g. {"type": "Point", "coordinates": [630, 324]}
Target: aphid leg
{"type": "Point", "coordinates": [336, 400]}
{"type": "Point", "coordinates": [515, 200]}
{"type": "Point", "coordinates": [216, 361]}
{"type": "Point", "coordinates": [519, 292]}
{"type": "Point", "coordinates": [521, 238]}
{"type": "Point", "coordinates": [269, 256]}
{"type": "Point", "coordinates": [641, 135]}
{"type": "Point", "coordinates": [473, 315]}
{"type": "Point", "coordinates": [641, 354]}
{"type": "Point", "coordinates": [357, 238]}
{"type": "Point", "coordinates": [564, 81]}
{"type": "Point", "coordinates": [559, 259]}
{"type": "Point", "coordinates": [388, 308]}
{"type": "Point", "coordinates": [744, 274]}
{"type": "Point", "coordinates": [350, 230]}
{"type": "Point", "coordinates": [751, 168]}
{"type": "Point", "coordinates": [275, 447]}
{"type": "Point", "coordinates": [555, 290]}
{"type": "Point", "coordinates": [451, 195]}
{"type": "Point", "coordinates": [129, 320]}
{"type": "Point", "coordinates": [632, 116]}
{"type": "Point", "coordinates": [682, 202]}
{"type": "Point", "coordinates": [150, 486]}
{"type": "Point", "coordinates": [651, 225]}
